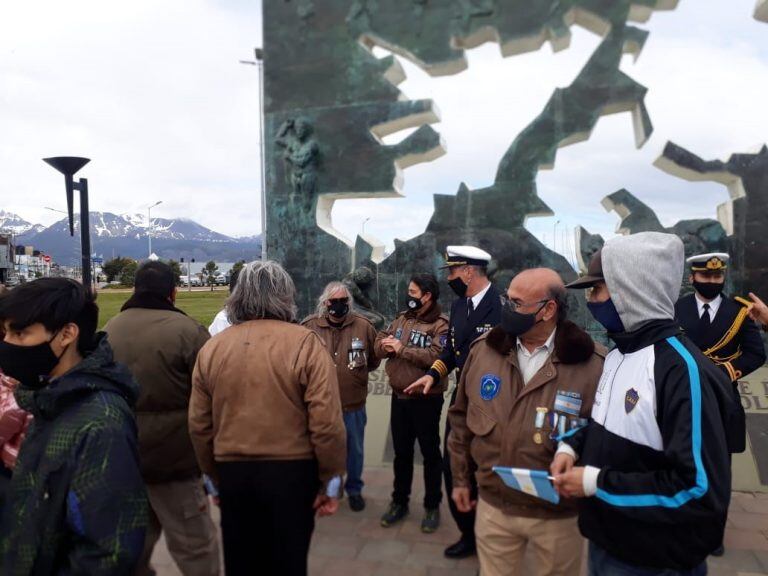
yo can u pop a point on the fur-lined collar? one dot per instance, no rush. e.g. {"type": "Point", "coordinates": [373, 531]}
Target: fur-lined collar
{"type": "Point", "coordinates": [572, 344]}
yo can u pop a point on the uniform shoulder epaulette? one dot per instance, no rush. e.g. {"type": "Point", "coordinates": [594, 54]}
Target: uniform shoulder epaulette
{"type": "Point", "coordinates": [743, 302]}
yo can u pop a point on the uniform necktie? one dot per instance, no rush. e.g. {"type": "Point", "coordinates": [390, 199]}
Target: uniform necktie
{"type": "Point", "coordinates": [470, 307]}
{"type": "Point", "coordinates": [706, 320]}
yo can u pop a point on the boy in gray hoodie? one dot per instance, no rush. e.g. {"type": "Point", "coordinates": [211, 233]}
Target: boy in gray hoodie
{"type": "Point", "coordinates": [654, 473]}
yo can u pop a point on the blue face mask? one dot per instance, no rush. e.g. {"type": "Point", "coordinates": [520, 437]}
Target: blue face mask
{"type": "Point", "coordinates": [606, 314]}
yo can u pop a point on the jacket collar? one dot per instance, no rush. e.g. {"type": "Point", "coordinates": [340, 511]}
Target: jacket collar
{"type": "Point", "coordinates": [647, 335]}
{"type": "Point", "coordinates": [431, 316]}
{"type": "Point", "coordinates": [149, 301]}
{"type": "Point", "coordinates": [572, 344]}
{"type": "Point", "coordinates": [324, 322]}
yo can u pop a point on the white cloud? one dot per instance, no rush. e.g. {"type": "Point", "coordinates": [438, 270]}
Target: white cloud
{"type": "Point", "coordinates": [706, 67]}
{"type": "Point", "coordinates": [153, 93]}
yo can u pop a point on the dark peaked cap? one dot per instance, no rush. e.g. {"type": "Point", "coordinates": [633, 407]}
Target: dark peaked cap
{"type": "Point", "coordinates": [594, 273]}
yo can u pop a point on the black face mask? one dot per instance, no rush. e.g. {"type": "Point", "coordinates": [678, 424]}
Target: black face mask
{"type": "Point", "coordinates": [30, 365]}
{"type": "Point", "coordinates": [458, 286]}
{"type": "Point", "coordinates": [514, 323]}
{"type": "Point", "coordinates": [709, 290]}
{"type": "Point", "coordinates": [338, 308]}
{"type": "Point", "coordinates": [413, 303]}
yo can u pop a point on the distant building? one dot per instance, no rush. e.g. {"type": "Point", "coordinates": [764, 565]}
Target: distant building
{"type": "Point", "coordinates": [31, 263]}
{"type": "Point", "coordinates": [6, 257]}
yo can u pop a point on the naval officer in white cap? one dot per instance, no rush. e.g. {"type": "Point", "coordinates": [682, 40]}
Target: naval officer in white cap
{"type": "Point", "coordinates": [720, 325]}
{"type": "Point", "coordinates": [476, 311]}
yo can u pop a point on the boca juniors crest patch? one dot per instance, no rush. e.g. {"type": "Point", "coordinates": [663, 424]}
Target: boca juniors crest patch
{"type": "Point", "coordinates": [631, 400]}
{"type": "Point", "coordinates": [489, 386]}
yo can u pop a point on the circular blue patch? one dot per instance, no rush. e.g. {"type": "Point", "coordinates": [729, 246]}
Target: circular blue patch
{"type": "Point", "coordinates": [489, 386]}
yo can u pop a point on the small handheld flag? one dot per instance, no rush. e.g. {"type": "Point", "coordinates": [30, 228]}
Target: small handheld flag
{"type": "Point", "coordinates": [536, 483]}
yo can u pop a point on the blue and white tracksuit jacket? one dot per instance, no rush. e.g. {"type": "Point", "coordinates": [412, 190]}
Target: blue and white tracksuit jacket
{"type": "Point", "coordinates": [658, 436]}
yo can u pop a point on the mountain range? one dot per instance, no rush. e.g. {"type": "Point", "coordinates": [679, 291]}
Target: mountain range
{"type": "Point", "coordinates": [126, 235]}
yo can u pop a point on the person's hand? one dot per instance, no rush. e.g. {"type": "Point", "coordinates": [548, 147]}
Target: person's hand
{"type": "Point", "coordinates": [8, 382]}
{"type": "Point", "coordinates": [424, 383]}
{"type": "Point", "coordinates": [462, 499]}
{"type": "Point", "coordinates": [325, 505]}
{"type": "Point", "coordinates": [759, 311]}
{"type": "Point", "coordinates": [562, 463]}
{"type": "Point", "coordinates": [395, 345]}
{"type": "Point", "coordinates": [571, 483]}
{"type": "Point", "coordinates": [387, 343]}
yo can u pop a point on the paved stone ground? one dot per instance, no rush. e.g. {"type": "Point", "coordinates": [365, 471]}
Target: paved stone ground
{"type": "Point", "coordinates": [355, 544]}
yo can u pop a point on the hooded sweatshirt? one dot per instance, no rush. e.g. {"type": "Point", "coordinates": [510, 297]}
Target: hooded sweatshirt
{"type": "Point", "coordinates": [76, 503]}
{"type": "Point", "coordinates": [658, 473]}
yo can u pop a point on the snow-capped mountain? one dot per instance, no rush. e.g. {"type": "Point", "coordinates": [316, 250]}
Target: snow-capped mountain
{"type": "Point", "coordinates": [15, 224]}
{"type": "Point", "coordinates": [127, 235]}
{"type": "Point", "coordinates": [108, 225]}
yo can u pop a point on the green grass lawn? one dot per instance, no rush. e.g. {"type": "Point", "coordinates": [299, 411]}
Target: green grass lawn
{"type": "Point", "coordinates": [201, 305]}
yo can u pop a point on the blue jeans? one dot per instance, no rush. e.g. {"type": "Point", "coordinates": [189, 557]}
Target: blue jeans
{"type": "Point", "coordinates": [355, 423]}
{"type": "Point", "coordinates": [601, 563]}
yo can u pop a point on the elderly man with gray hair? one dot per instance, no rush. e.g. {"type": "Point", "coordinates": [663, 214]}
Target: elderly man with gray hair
{"type": "Point", "coordinates": [349, 337]}
{"type": "Point", "coordinates": [266, 425]}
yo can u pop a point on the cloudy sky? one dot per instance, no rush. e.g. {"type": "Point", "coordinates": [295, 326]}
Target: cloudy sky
{"type": "Point", "coordinates": [153, 92]}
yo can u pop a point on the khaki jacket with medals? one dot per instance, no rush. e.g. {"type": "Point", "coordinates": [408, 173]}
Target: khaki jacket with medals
{"type": "Point", "coordinates": [499, 421]}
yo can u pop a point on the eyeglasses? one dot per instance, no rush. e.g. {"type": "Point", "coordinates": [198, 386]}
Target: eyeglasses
{"type": "Point", "coordinates": [516, 304]}
{"type": "Point", "coordinates": [339, 300]}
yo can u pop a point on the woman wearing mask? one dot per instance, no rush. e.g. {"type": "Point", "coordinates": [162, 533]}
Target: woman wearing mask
{"type": "Point", "coordinates": [349, 337]}
{"type": "Point", "coordinates": [411, 344]}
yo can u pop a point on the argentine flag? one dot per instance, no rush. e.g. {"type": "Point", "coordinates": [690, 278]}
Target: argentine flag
{"type": "Point", "coordinates": [533, 482]}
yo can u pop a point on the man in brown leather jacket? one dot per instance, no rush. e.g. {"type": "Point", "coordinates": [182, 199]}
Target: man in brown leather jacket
{"type": "Point", "coordinates": [349, 337]}
{"type": "Point", "coordinates": [527, 382]}
{"type": "Point", "coordinates": [411, 344]}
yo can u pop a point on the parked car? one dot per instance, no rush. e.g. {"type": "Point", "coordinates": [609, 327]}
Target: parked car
{"type": "Point", "coordinates": [184, 280]}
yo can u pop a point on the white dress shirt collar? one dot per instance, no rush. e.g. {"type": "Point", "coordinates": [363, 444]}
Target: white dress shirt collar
{"type": "Point", "coordinates": [714, 306]}
{"type": "Point", "coordinates": [477, 298]}
{"type": "Point", "coordinates": [531, 362]}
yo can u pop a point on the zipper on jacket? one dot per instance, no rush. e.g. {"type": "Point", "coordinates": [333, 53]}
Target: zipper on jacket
{"type": "Point", "coordinates": [610, 394]}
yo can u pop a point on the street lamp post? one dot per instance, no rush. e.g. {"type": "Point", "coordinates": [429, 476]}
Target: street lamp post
{"type": "Point", "coordinates": [149, 225]}
{"type": "Point", "coordinates": [63, 212]}
{"type": "Point", "coordinates": [68, 166]}
{"type": "Point", "coordinates": [554, 236]}
{"type": "Point", "coordinates": [258, 61]}
{"type": "Point", "coordinates": [363, 226]}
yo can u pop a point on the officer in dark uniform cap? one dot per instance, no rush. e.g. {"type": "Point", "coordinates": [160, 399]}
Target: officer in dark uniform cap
{"type": "Point", "coordinates": [719, 325]}
{"type": "Point", "coordinates": [476, 311]}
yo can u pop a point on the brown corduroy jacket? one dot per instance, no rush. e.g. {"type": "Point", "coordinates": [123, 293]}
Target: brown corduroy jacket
{"type": "Point", "coordinates": [493, 422]}
{"type": "Point", "coordinates": [423, 338]}
{"type": "Point", "coordinates": [352, 365]}
{"type": "Point", "coordinates": [266, 390]}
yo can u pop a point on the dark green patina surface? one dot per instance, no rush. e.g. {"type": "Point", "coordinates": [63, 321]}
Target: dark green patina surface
{"type": "Point", "coordinates": [329, 101]}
